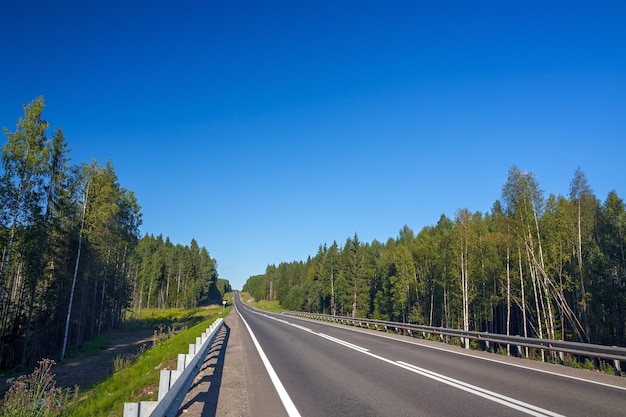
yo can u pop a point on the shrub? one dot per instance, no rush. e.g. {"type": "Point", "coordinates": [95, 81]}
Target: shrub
{"type": "Point", "coordinates": [36, 395]}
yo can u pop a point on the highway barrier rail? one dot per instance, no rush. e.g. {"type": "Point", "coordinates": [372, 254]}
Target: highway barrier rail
{"type": "Point", "coordinates": [614, 353]}
{"type": "Point", "coordinates": [174, 384]}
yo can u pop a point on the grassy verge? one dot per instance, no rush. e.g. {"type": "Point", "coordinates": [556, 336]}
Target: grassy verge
{"type": "Point", "coordinates": [271, 306]}
{"type": "Point", "coordinates": [139, 379]}
{"type": "Point", "coordinates": [164, 322]}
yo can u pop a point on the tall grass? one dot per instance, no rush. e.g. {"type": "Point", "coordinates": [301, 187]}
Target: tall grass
{"type": "Point", "coordinates": [36, 395]}
{"type": "Point", "coordinates": [138, 380]}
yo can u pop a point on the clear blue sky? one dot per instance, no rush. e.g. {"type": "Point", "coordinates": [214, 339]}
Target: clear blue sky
{"type": "Point", "coordinates": [265, 128]}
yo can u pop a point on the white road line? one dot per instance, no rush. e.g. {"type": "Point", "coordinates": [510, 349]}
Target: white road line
{"type": "Point", "coordinates": [490, 395]}
{"type": "Point", "coordinates": [342, 342]}
{"type": "Point", "coordinates": [306, 329]}
{"type": "Point", "coordinates": [464, 386]}
{"type": "Point", "coordinates": [292, 411]}
{"type": "Point", "coordinates": [482, 358]}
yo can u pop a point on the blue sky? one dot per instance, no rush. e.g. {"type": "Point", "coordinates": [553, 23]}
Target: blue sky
{"type": "Point", "coordinates": [264, 129]}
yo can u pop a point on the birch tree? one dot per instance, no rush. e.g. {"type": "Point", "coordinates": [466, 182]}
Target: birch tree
{"type": "Point", "coordinates": [24, 159]}
{"type": "Point", "coordinates": [463, 238]}
{"type": "Point", "coordinates": [524, 202]}
{"type": "Point", "coordinates": [57, 176]}
{"type": "Point", "coordinates": [85, 198]}
{"type": "Point", "coordinates": [585, 206]}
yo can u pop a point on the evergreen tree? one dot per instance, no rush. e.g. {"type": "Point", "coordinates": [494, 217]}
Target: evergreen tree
{"type": "Point", "coordinates": [531, 267]}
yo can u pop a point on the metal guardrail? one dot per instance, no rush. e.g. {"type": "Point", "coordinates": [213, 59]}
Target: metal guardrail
{"type": "Point", "coordinates": [174, 384]}
{"type": "Point", "coordinates": [617, 354]}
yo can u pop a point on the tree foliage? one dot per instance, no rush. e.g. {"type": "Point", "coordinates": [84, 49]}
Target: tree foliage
{"type": "Point", "coordinates": [73, 262]}
{"type": "Point", "coordinates": [175, 276]}
{"type": "Point", "coordinates": [534, 266]}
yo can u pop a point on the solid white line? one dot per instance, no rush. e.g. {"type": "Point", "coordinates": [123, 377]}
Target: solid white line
{"type": "Point", "coordinates": [306, 329]}
{"type": "Point", "coordinates": [473, 389]}
{"type": "Point", "coordinates": [464, 386]}
{"type": "Point", "coordinates": [342, 342]}
{"type": "Point", "coordinates": [292, 411]}
{"type": "Point", "coordinates": [495, 360]}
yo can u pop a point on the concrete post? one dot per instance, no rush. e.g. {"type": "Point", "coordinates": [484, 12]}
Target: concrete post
{"type": "Point", "coordinates": [164, 383]}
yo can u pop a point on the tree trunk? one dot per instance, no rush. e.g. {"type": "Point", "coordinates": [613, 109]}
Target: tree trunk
{"type": "Point", "coordinates": [581, 272]}
{"type": "Point", "coordinates": [508, 298]}
{"type": "Point", "coordinates": [80, 244]}
{"type": "Point", "coordinates": [521, 280]}
{"type": "Point", "coordinates": [7, 259]}
{"type": "Point", "coordinates": [333, 308]}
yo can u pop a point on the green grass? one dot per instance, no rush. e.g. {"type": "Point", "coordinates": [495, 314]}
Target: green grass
{"type": "Point", "coordinates": [152, 318]}
{"type": "Point", "coordinates": [94, 346]}
{"type": "Point", "coordinates": [140, 380]}
{"type": "Point", "coordinates": [164, 322]}
{"type": "Point", "coordinates": [271, 306]}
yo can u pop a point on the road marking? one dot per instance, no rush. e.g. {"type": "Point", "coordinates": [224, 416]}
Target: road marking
{"type": "Point", "coordinates": [290, 407]}
{"type": "Point", "coordinates": [495, 360]}
{"type": "Point", "coordinates": [306, 329]}
{"type": "Point", "coordinates": [472, 389]}
{"type": "Point", "coordinates": [342, 342]}
{"type": "Point", "coordinates": [464, 386]}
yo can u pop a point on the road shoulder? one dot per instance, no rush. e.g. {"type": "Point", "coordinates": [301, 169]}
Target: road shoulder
{"type": "Point", "coordinates": [232, 381]}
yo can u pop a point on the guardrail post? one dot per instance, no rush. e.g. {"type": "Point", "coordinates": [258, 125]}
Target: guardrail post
{"type": "Point", "coordinates": [140, 409]}
{"type": "Point", "coordinates": [146, 408]}
{"type": "Point", "coordinates": [618, 367]}
{"type": "Point", "coordinates": [131, 409]}
{"type": "Point", "coordinates": [164, 382]}
{"type": "Point", "coordinates": [189, 357]}
{"type": "Point", "coordinates": [174, 382]}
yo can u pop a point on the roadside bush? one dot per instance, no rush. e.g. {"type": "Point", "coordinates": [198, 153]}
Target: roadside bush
{"type": "Point", "coordinates": [36, 395]}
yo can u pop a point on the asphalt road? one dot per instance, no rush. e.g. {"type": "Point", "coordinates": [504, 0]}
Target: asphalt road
{"type": "Point", "coordinates": [325, 369]}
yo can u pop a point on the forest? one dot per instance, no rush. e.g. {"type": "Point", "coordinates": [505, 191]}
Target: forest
{"type": "Point", "coordinates": [533, 266]}
{"type": "Point", "coordinates": [73, 263]}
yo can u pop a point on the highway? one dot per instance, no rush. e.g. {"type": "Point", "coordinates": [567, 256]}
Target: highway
{"type": "Point", "coordinates": [322, 369]}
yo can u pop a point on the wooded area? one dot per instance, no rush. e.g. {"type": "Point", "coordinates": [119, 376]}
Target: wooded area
{"type": "Point", "coordinates": [549, 268]}
{"type": "Point", "coordinates": [72, 260]}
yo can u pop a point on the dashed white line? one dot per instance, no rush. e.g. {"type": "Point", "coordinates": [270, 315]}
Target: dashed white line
{"type": "Point", "coordinates": [464, 386]}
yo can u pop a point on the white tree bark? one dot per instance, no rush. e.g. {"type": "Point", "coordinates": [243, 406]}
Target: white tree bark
{"type": "Point", "coordinates": [80, 243]}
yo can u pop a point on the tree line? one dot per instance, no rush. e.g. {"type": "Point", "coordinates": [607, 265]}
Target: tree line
{"type": "Point", "coordinates": [175, 276]}
{"type": "Point", "coordinates": [533, 266]}
{"type": "Point", "coordinates": [73, 263]}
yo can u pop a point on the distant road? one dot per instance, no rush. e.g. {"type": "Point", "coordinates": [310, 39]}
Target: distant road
{"type": "Point", "coordinates": [332, 370]}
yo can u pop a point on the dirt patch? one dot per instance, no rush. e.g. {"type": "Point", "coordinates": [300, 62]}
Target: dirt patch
{"type": "Point", "coordinates": [89, 370]}
{"type": "Point", "coordinates": [86, 371]}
